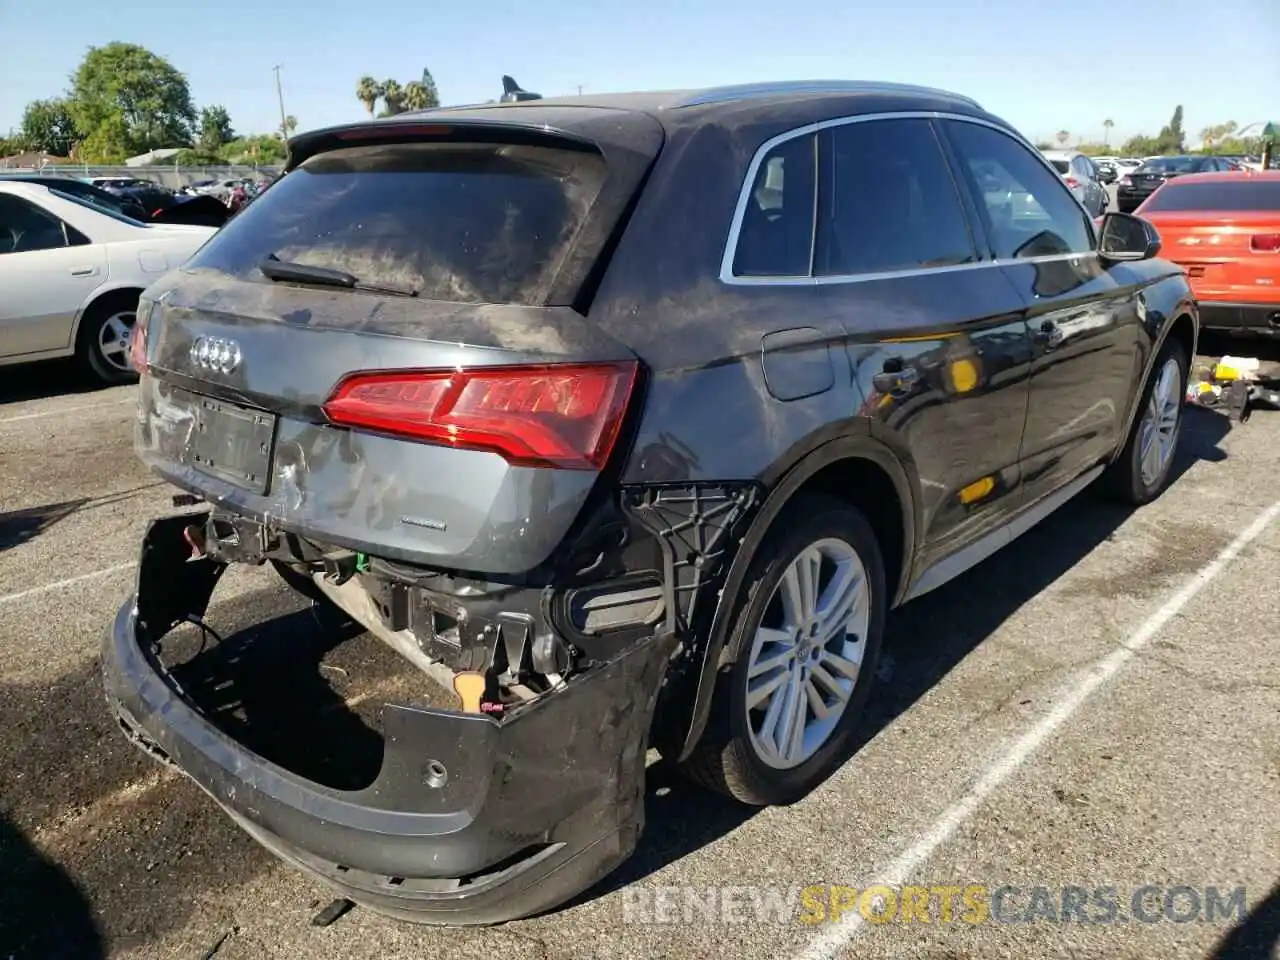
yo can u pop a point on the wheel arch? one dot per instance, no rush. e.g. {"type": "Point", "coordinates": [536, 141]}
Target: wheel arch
{"type": "Point", "coordinates": [1184, 327]}
{"type": "Point", "coordinates": [857, 469]}
{"type": "Point", "coordinates": [105, 293]}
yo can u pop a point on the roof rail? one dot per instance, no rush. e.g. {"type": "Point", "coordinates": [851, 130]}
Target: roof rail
{"type": "Point", "coordinates": [744, 90]}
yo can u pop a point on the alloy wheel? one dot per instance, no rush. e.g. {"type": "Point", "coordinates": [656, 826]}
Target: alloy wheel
{"type": "Point", "coordinates": [113, 339]}
{"type": "Point", "coordinates": [1158, 435]}
{"type": "Point", "coordinates": [807, 653]}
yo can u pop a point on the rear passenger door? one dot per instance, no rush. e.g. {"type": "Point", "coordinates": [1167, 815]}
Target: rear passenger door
{"type": "Point", "coordinates": [1083, 318]}
{"type": "Point", "coordinates": [936, 333]}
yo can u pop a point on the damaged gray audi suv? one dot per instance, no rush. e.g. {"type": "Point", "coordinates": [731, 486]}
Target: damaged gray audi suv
{"type": "Point", "coordinates": [623, 420]}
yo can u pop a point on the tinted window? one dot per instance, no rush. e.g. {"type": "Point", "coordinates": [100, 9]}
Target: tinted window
{"type": "Point", "coordinates": [1060, 165]}
{"type": "Point", "coordinates": [463, 222]}
{"type": "Point", "coordinates": [776, 235]}
{"type": "Point", "coordinates": [1029, 211]}
{"type": "Point", "coordinates": [1225, 196]}
{"type": "Point", "coordinates": [888, 201]}
{"type": "Point", "coordinates": [1169, 165]}
{"type": "Point", "coordinates": [24, 227]}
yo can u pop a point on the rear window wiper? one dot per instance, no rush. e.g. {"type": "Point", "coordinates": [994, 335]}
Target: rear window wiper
{"type": "Point", "coordinates": [287, 271]}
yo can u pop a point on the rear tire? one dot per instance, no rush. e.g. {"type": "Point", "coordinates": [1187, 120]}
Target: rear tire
{"type": "Point", "coordinates": [1143, 469]}
{"type": "Point", "coordinates": [102, 341]}
{"type": "Point", "coordinates": [807, 629]}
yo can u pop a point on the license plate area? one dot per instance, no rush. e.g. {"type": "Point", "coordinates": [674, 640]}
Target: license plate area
{"type": "Point", "coordinates": [232, 442]}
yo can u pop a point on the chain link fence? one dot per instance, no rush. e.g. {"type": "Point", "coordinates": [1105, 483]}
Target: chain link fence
{"type": "Point", "coordinates": [172, 176]}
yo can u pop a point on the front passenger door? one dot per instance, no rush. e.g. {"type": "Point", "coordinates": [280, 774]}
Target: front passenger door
{"type": "Point", "coordinates": [1082, 316]}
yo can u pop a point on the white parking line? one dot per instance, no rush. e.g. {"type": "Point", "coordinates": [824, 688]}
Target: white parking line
{"type": "Point", "coordinates": [896, 873]}
{"type": "Point", "coordinates": [59, 584]}
{"type": "Point", "coordinates": [75, 409]}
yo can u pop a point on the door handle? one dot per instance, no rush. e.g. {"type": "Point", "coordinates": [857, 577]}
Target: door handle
{"type": "Point", "coordinates": [1049, 334]}
{"type": "Point", "coordinates": [896, 377]}
{"type": "Point", "coordinates": [83, 271]}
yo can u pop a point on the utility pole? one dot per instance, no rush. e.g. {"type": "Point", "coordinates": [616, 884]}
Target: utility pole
{"type": "Point", "coordinates": [284, 129]}
{"type": "Point", "coordinates": [579, 89]}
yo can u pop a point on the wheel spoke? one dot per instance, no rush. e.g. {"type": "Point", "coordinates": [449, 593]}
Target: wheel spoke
{"type": "Point", "coordinates": [774, 648]}
{"type": "Point", "coordinates": [830, 684]}
{"type": "Point", "coordinates": [118, 327]}
{"type": "Point", "coordinates": [798, 707]}
{"type": "Point", "coordinates": [763, 688]}
{"type": "Point", "coordinates": [848, 668]}
{"type": "Point", "coordinates": [113, 349]}
{"type": "Point", "coordinates": [769, 725]}
{"type": "Point", "coordinates": [840, 601]}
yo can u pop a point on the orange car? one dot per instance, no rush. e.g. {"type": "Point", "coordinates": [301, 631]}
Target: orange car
{"type": "Point", "coordinates": [1224, 230]}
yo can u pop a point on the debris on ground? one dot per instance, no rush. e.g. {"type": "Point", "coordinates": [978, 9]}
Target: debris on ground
{"type": "Point", "coordinates": [332, 912]}
{"type": "Point", "coordinates": [1236, 384]}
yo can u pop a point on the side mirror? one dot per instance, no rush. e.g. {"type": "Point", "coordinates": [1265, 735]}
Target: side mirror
{"type": "Point", "coordinates": [1126, 237]}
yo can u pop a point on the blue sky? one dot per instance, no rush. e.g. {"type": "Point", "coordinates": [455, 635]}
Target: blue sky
{"type": "Point", "coordinates": [1044, 67]}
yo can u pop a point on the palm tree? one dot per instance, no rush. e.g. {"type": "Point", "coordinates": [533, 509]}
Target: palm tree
{"type": "Point", "coordinates": [368, 90]}
{"type": "Point", "coordinates": [415, 96]}
{"type": "Point", "coordinates": [1063, 136]}
{"type": "Point", "coordinates": [1107, 124]}
{"type": "Point", "coordinates": [393, 94]}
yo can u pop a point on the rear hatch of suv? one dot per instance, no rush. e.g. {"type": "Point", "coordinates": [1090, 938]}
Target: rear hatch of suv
{"type": "Point", "coordinates": [389, 351]}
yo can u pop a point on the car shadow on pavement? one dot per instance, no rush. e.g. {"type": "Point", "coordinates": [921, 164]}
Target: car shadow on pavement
{"type": "Point", "coordinates": [1257, 936]}
{"type": "Point", "coordinates": [924, 640]}
{"type": "Point", "coordinates": [43, 914]}
{"type": "Point", "coordinates": [20, 526]}
{"type": "Point", "coordinates": [49, 378]}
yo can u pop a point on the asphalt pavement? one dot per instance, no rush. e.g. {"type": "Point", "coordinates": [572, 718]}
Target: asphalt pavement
{"type": "Point", "coordinates": [1093, 713]}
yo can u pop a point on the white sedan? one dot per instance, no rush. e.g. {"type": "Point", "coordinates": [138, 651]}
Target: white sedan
{"type": "Point", "coordinates": [71, 273]}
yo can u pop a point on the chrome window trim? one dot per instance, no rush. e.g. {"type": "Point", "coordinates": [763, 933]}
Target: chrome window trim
{"type": "Point", "coordinates": [727, 276]}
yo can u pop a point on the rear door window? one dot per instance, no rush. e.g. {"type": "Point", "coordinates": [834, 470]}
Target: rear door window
{"type": "Point", "coordinates": [775, 235]}
{"type": "Point", "coordinates": [474, 223]}
{"type": "Point", "coordinates": [1032, 213]}
{"type": "Point", "coordinates": [888, 201]}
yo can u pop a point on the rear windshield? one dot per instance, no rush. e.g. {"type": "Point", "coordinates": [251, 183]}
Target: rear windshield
{"type": "Point", "coordinates": [1229, 196]}
{"type": "Point", "coordinates": [472, 223]}
{"type": "Point", "coordinates": [1168, 165]}
{"type": "Point", "coordinates": [1060, 165]}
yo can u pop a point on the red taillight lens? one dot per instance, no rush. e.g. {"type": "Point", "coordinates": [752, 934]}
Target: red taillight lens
{"type": "Point", "coordinates": [138, 346]}
{"type": "Point", "coordinates": [566, 415]}
{"type": "Point", "coordinates": [1072, 182]}
{"type": "Point", "coordinates": [1265, 242]}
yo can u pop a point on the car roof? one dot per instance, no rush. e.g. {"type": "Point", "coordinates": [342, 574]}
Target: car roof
{"type": "Point", "coordinates": [1061, 154]}
{"type": "Point", "coordinates": [1224, 176]}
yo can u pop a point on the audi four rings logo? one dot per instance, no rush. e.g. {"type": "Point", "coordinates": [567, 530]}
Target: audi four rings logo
{"type": "Point", "coordinates": [216, 354]}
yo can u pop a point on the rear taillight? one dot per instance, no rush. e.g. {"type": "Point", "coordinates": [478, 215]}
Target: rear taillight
{"type": "Point", "coordinates": [1072, 182]}
{"type": "Point", "coordinates": [1265, 243]}
{"type": "Point", "coordinates": [563, 415]}
{"type": "Point", "coordinates": [138, 345]}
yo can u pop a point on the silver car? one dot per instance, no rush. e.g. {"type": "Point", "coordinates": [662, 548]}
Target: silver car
{"type": "Point", "coordinates": [1083, 177]}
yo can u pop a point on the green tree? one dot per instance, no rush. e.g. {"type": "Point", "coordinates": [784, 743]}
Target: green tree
{"type": "Point", "coordinates": [13, 145]}
{"type": "Point", "coordinates": [393, 96]}
{"type": "Point", "coordinates": [123, 94]}
{"type": "Point", "coordinates": [215, 128]}
{"type": "Point", "coordinates": [47, 125]}
{"type": "Point", "coordinates": [368, 90]}
{"type": "Point", "coordinates": [108, 143]}
{"type": "Point", "coordinates": [1171, 138]}
{"type": "Point", "coordinates": [265, 149]}
{"type": "Point", "coordinates": [415, 96]}
{"type": "Point", "coordinates": [429, 85]}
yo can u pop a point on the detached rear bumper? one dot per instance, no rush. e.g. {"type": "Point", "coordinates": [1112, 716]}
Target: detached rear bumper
{"type": "Point", "coordinates": [1241, 317]}
{"type": "Point", "coordinates": [471, 819]}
